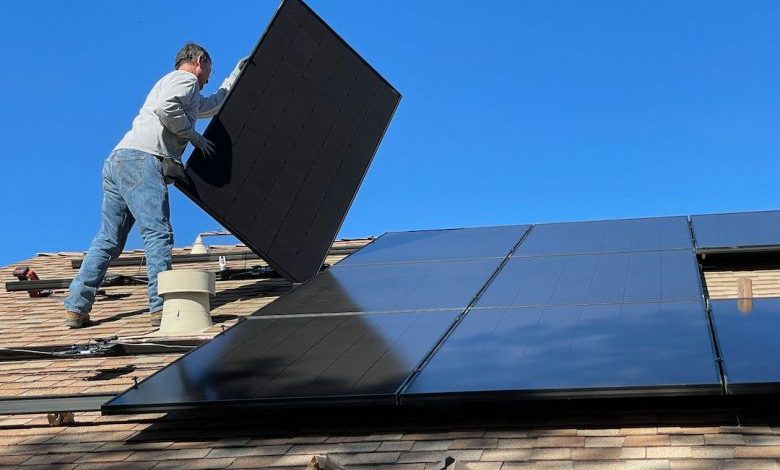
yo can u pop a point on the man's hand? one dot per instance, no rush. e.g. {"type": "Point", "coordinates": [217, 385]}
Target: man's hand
{"type": "Point", "coordinates": [231, 79]}
{"type": "Point", "coordinates": [206, 147]}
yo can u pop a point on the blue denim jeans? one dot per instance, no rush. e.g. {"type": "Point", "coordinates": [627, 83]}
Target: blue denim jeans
{"type": "Point", "coordinates": [134, 190]}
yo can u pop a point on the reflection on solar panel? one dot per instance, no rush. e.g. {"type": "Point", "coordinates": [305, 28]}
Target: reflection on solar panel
{"type": "Point", "coordinates": [294, 138]}
{"type": "Point", "coordinates": [747, 333]}
{"type": "Point", "coordinates": [437, 245]}
{"type": "Point", "coordinates": [605, 236]}
{"type": "Point", "coordinates": [725, 232]}
{"type": "Point", "coordinates": [303, 360]}
{"type": "Point", "coordinates": [593, 350]}
{"type": "Point", "coordinates": [388, 287]}
{"type": "Point", "coordinates": [649, 276]}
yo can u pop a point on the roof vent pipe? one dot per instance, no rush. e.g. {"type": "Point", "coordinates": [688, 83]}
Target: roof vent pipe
{"type": "Point", "coordinates": [185, 294]}
{"type": "Point", "coordinates": [198, 247]}
{"type": "Point", "coordinates": [745, 295]}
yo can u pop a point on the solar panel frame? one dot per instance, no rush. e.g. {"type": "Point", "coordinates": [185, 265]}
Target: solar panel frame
{"type": "Point", "coordinates": [736, 231]}
{"type": "Point", "coordinates": [264, 202]}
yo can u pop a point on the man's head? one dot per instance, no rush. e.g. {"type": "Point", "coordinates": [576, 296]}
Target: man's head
{"type": "Point", "coordinates": [194, 59]}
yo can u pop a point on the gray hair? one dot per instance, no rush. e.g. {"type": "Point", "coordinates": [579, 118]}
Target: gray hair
{"type": "Point", "coordinates": [190, 53]}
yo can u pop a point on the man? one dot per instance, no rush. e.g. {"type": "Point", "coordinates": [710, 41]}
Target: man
{"type": "Point", "coordinates": [134, 188]}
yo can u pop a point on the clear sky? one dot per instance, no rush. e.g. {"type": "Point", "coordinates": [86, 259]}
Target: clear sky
{"type": "Point", "coordinates": [513, 111]}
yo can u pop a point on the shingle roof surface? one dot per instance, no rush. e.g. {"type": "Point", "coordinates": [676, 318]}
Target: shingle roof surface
{"type": "Point", "coordinates": [36, 322]}
{"type": "Point", "coordinates": [193, 441]}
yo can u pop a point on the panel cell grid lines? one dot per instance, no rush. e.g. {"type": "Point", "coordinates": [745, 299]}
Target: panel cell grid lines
{"type": "Point", "coordinates": [294, 140]}
{"type": "Point", "coordinates": [438, 245]}
{"type": "Point", "coordinates": [607, 236]}
{"type": "Point", "coordinates": [304, 360]}
{"type": "Point", "coordinates": [744, 230]}
{"type": "Point", "coordinates": [747, 333]}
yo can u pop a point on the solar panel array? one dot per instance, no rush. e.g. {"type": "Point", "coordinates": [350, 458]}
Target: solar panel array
{"type": "Point", "coordinates": [294, 139]}
{"type": "Point", "coordinates": [612, 308]}
{"type": "Point", "coordinates": [609, 308]}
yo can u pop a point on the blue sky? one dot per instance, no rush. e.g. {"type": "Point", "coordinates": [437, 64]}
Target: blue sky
{"type": "Point", "coordinates": [513, 111]}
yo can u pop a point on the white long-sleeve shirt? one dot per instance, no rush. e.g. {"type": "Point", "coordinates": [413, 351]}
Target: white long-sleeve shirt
{"type": "Point", "coordinates": [166, 121]}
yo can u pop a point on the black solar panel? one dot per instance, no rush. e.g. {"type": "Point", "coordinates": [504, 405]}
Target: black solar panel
{"type": "Point", "coordinates": [437, 245]}
{"type": "Point", "coordinates": [295, 138]}
{"type": "Point", "coordinates": [605, 236]}
{"type": "Point", "coordinates": [388, 287]}
{"type": "Point", "coordinates": [747, 333]}
{"type": "Point", "coordinates": [593, 350]}
{"type": "Point", "coordinates": [652, 276]}
{"type": "Point", "coordinates": [304, 360]}
{"type": "Point", "coordinates": [744, 230]}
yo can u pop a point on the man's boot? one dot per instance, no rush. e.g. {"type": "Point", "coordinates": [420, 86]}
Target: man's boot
{"type": "Point", "coordinates": [76, 320]}
{"type": "Point", "coordinates": [156, 318]}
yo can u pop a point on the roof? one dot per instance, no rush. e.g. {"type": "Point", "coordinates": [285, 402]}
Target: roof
{"type": "Point", "coordinates": [623, 439]}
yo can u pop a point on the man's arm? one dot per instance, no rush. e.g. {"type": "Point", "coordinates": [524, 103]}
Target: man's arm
{"type": "Point", "coordinates": [209, 106]}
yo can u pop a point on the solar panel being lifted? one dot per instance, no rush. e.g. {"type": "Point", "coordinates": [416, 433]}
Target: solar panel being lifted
{"type": "Point", "coordinates": [294, 140]}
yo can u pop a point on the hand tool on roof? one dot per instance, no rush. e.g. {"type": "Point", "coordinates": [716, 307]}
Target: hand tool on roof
{"type": "Point", "coordinates": [24, 273]}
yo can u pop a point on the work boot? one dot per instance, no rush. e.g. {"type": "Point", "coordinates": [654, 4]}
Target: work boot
{"type": "Point", "coordinates": [76, 320]}
{"type": "Point", "coordinates": [156, 318]}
